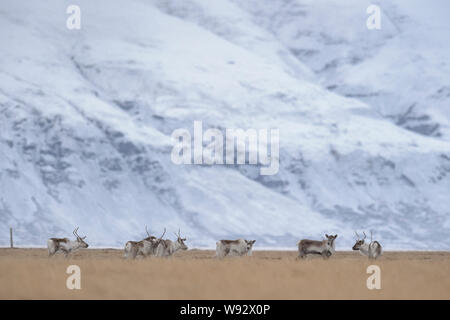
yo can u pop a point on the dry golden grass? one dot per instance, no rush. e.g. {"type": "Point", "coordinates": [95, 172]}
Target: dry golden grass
{"type": "Point", "coordinates": [195, 274]}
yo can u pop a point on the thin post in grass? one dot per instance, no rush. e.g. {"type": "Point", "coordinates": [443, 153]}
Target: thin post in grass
{"type": "Point", "coordinates": [11, 237]}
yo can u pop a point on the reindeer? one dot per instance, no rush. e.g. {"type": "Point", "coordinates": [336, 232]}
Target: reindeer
{"type": "Point", "coordinates": [238, 247]}
{"type": "Point", "coordinates": [145, 247]}
{"type": "Point", "coordinates": [167, 248]}
{"type": "Point", "coordinates": [325, 247]}
{"type": "Point", "coordinates": [372, 250]}
{"type": "Point", "coordinates": [66, 245]}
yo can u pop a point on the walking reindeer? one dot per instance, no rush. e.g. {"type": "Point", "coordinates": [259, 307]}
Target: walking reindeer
{"type": "Point", "coordinates": [66, 245]}
{"type": "Point", "coordinates": [145, 247]}
{"type": "Point", "coordinates": [325, 248]}
{"type": "Point", "coordinates": [373, 250]}
{"type": "Point", "coordinates": [167, 248]}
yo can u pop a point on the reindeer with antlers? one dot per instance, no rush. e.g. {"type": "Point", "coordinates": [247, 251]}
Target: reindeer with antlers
{"type": "Point", "coordinates": [167, 248]}
{"type": "Point", "coordinates": [373, 249]}
{"type": "Point", "coordinates": [145, 247]}
{"type": "Point", "coordinates": [66, 245]}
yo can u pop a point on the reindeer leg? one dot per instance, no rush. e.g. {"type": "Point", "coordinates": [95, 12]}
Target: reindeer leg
{"type": "Point", "coordinates": [51, 253]}
{"type": "Point", "coordinates": [302, 254]}
{"type": "Point", "coordinates": [326, 254]}
{"type": "Point", "coordinates": [133, 253]}
{"type": "Point", "coordinates": [66, 254]}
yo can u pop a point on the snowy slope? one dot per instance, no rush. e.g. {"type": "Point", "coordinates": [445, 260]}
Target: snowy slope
{"type": "Point", "coordinates": [401, 70]}
{"type": "Point", "coordinates": [86, 118]}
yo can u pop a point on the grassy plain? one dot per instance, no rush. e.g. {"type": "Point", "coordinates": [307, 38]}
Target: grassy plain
{"type": "Point", "coordinates": [196, 274]}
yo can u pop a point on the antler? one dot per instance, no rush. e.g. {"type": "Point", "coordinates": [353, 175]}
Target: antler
{"type": "Point", "coordinates": [364, 235]}
{"type": "Point", "coordinates": [179, 233]}
{"type": "Point", "coordinates": [160, 241]}
{"type": "Point", "coordinates": [160, 238]}
{"type": "Point", "coordinates": [357, 235]}
{"type": "Point", "coordinates": [370, 235]}
{"type": "Point", "coordinates": [147, 230]}
{"type": "Point", "coordinates": [75, 233]}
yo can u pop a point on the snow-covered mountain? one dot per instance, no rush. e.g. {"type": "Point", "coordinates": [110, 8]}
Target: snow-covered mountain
{"type": "Point", "coordinates": [401, 71]}
{"type": "Point", "coordinates": [87, 115]}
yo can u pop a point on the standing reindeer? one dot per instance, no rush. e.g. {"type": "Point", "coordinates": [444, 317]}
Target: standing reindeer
{"type": "Point", "coordinates": [145, 247]}
{"type": "Point", "coordinates": [238, 247]}
{"type": "Point", "coordinates": [325, 247]}
{"type": "Point", "coordinates": [373, 249]}
{"type": "Point", "coordinates": [167, 248]}
{"type": "Point", "coordinates": [66, 245]}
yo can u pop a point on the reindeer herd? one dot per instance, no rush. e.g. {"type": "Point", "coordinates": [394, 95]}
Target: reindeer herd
{"type": "Point", "coordinates": [159, 247]}
{"type": "Point", "coordinates": [152, 246]}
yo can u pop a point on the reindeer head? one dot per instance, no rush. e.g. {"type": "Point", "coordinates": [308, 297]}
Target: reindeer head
{"type": "Point", "coordinates": [181, 241]}
{"type": "Point", "coordinates": [330, 239]}
{"type": "Point", "coordinates": [359, 242]}
{"type": "Point", "coordinates": [80, 240]}
{"type": "Point", "coordinates": [249, 244]}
